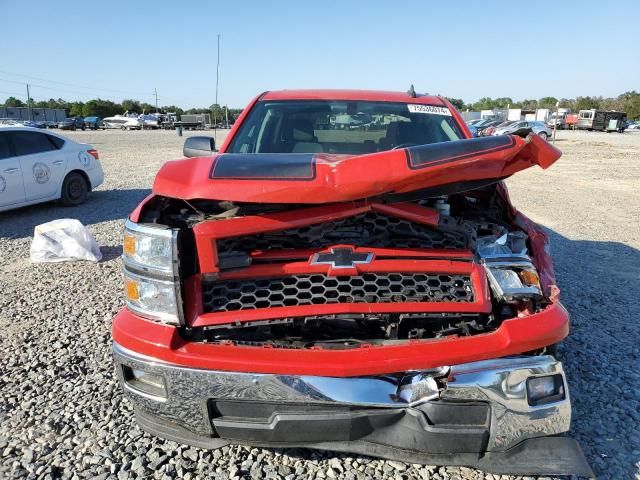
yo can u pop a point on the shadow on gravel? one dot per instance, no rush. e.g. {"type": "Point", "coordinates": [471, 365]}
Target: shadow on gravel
{"type": "Point", "coordinates": [101, 206]}
{"type": "Point", "coordinates": [600, 283]}
{"type": "Point", "coordinates": [110, 252]}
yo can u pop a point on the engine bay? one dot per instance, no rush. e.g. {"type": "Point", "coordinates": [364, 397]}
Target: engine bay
{"type": "Point", "coordinates": [477, 222]}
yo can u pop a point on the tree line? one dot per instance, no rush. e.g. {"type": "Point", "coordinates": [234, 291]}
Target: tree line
{"type": "Point", "coordinates": [107, 108]}
{"type": "Point", "coordinates": [628, 102]}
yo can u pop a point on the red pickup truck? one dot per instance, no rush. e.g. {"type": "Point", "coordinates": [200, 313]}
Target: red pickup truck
{"type": "Point", "coordinates": [347, 273]}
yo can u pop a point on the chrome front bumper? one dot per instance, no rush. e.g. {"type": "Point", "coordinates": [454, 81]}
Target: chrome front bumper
{"type": "Point", "coordinates": [469, 409]}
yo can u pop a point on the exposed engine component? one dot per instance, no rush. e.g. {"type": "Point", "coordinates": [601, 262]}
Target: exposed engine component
{"type": "Point", "coordinates": [347, 331]}
{"type": "Point", "coordinates": [370, 229]}
{"type": "Point", "coordinates": [473, 220]}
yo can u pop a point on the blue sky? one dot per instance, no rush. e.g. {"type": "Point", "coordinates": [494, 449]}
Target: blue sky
{"type": "Point", "coordinates": [122, 49]}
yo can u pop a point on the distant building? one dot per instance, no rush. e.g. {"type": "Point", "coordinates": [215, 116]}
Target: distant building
{"type": "Point", "coordinates": [37, 114]}
{"type": "Point", "coordinates": [514, 114]}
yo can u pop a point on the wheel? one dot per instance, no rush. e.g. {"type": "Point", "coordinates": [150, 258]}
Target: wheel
{"type": "Point", "coordinates": [73, 128]}
{"type": "Point", "coordinates": [75, 190]}
{"type": "Point", "coordinates": [123, 128]}
{"type": "Point", "coordinates": [543, 135]}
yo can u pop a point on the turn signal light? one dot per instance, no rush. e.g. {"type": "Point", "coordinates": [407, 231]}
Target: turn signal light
{"type": "Point", "coordinates": [529, 278]}
{"type": "Point", "coordinates": [129, 244]}
{"type": "Point", "coordinates": [131, 290]}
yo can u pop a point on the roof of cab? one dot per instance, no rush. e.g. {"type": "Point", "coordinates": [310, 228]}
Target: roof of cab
{"type": "Point", "coordinates": [370, 95]}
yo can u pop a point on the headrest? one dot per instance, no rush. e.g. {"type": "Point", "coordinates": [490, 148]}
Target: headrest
{"type": "Point", "coordinates": [302, 131]}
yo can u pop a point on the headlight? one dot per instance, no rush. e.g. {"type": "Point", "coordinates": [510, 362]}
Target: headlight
{"type": "Point", "coordinates": [150, 297]}
{"type": "Point", "coordinates": [512, 278]}
{"type": "Point", "coordinates": [151, 281]}
{"type": "Point", "coordinates": [149, 249]}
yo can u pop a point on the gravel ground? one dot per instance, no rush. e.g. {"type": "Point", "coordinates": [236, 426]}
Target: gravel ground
{"type": "Point", "coordinates": [61, 411]}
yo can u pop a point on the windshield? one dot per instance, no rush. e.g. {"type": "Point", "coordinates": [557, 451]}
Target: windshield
{"type": "Point", "coordinates": [341, 127]}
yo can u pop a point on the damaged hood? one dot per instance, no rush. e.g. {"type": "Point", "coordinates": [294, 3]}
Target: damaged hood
{"type": "Point", "coordinates": [324, 178]}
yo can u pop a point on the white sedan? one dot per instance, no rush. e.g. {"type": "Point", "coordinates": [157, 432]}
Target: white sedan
{"type": "Point", "coordinates": [37, 166]}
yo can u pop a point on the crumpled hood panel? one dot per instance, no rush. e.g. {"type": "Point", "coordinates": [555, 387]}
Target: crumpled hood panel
{"type": "Point", "coordinates": [323, 178]}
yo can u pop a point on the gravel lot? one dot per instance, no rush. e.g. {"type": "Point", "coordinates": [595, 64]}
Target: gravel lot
{"type": "Point", "coordinates": [61, 412]}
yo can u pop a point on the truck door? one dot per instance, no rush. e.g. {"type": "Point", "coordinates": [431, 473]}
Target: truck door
{"type": "Point", "coordinates": [11, 185]}
{"type": "Point", "coordinates": [43, 164]}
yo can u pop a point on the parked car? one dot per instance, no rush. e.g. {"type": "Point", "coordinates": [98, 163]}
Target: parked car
{"type": "Point", "coordinates": [524, 126]}
{"type": "Point", "coordinates": [483, 122]}
{"type": "Point", "coordinates": [74, 123]}
{"type": "Point", "coordinates": [484, 126]}
{"type": "Point", "coordinates": [633, 126]}
{"type": "Point", "coordinates": [94, 123]}
{"type": "Point", "coordinates": [30, 123]}
{"type": "Point", "coordinates": [489, 130]}
{"type": "Point", "coordinates": [476, 121]}
{"type": "Point", "coordinates": [473, 130]}
{"type": "Point", "coordinates": [303, 287]}
{"type": "Point", "coordinates": [38, 166]}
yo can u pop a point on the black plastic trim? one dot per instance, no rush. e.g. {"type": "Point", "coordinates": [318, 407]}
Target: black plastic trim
{"type": "Point", "coordinates": [264, 166]}
{"type": "Point", "coordinates": [423, 156]}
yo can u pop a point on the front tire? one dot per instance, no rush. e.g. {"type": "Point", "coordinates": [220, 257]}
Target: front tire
{"type": "Point", "coordinates": [75, 190]}
{"type": "Point", "coordinates": [543, 135]}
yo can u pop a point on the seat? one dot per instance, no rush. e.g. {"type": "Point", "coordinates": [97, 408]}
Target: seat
{"type": "Point", "coordinates": [390, 138]}
{"type": "Point", "coordinates": [304, 140]}
{"type": "Point", "coordinates": [410, 133]}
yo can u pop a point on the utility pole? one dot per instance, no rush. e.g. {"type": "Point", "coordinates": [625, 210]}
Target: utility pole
{"type": "Point", "coordinates": [226, 112]}
{"type": "Point", "coordinates": [215, 119]}
{"type": "Point", "coordinates": [28, 102]}
{"type": "Point", "coordinates": [155, 93]}
{"type": "Point", "coordinates": [555, 123]}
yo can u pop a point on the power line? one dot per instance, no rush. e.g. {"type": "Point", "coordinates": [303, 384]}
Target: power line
{"type": "Point", "coordinates": [56, 89]}
{"type": "Point", "coordinates": [71, 84]}
{"type": "Point", "coordinates": [75, 92]}
{"type": "Point", "coordinates": [12, 81]}
{"type": "Point", "coordinates": [10, 93]}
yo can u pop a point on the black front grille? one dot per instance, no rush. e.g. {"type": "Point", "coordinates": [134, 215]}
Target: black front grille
{"type": "Point", "coordinates": [370, 229]}
{"type": "Point", "coordinates": [230, 295]}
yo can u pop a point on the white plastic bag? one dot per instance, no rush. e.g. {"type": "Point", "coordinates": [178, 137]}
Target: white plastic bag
{"type": "Point", "coordinates": [63, 240]}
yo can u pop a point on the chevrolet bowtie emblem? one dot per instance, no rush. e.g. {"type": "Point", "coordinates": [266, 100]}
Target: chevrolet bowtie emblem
{"type": "Point", "coordinates": [341, 257]}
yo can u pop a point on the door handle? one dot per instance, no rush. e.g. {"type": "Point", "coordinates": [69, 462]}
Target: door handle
{"type": "Point", "coordinates": [11, 170]}
{"type": "Point", "coordinates": [58, 162]}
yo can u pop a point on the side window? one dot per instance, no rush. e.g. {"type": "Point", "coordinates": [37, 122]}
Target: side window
{"type": "Point", "coordinates": [28, 143]}
{"type": "Point", "coordinates": [57, 141]}
{"type": "Point", "coordinates": [4, 146]}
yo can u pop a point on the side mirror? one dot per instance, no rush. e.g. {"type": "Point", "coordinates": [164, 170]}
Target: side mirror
{"type": "Point", "coordinates": [199, 146]}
